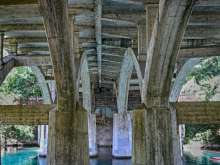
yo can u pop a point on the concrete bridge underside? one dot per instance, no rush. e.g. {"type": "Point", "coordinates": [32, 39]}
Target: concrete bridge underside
{"type": "Point", "coordinates": [119, 46]}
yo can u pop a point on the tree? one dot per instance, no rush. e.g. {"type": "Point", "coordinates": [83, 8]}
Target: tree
{"type": "Point", "coordinates": [203, 72]}
{"type": "Point", "coordinates": [21, 82]}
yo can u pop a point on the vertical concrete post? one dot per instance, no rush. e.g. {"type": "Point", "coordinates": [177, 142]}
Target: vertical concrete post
{"type": "Point", "coordinates": [122, 130]}
{"type": "Point", "coordinates": [122, 135]}
{"type": "Point", "coordinates": [87, 104]}
{"type": "Point", "coordinates": [139, 135]}
{"type": "Point", "coordinates": [68, 123]}
{"type": "Point", "coordinates": [92, 135]}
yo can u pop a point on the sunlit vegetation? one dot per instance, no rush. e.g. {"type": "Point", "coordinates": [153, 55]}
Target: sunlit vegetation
{"type": "Point", "coordinates": [202, 74]}
{"type": "Point", "coordinates": [22, 83]}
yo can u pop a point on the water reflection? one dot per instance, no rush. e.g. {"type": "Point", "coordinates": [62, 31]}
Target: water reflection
{"type": "Point", "coordinates": [110, 162]}
{"type": "Point", "coordinates": [28, 157]}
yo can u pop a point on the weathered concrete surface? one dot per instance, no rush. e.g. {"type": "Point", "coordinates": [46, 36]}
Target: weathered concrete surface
{"type": "Point", "coordinates": [152, 139]}
{"type": "Point", "coordinates": [24, 114]}
{"type": "Point", "coordinates": [92, 135]}
{"type": "Point", "coordinates": [104, 134]}
{"type": "Point", "coordinates": [122, 135]}
{"type": "Point", "coordinates": [198, 112]}
{"type": "Point", "coordinates": [68, 138]}
{"type": "Point", "coordinates": [166, 37]}
{"type": "Point", "coordinates": [138, 136]}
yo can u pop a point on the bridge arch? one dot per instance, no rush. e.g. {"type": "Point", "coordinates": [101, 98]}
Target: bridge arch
{"type": "Point", "coordinates": [181, 78]}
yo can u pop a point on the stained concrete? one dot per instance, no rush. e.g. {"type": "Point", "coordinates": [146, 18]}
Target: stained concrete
{"type": "Point", "coordinates": [68, 138]}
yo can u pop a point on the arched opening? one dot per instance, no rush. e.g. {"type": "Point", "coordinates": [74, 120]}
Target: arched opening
{"type": "Point", "coordinates": [198, 82]}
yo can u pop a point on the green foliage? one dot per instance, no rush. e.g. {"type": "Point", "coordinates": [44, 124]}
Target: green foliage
{"type": "Point", "coordinates": [203, 72]}
{"type": "Point", "coordinates": [17, 132]}
{"type": "Point", "coordinates": [22, 82]}
{"type": "Point", "coordinates": [206, 133]}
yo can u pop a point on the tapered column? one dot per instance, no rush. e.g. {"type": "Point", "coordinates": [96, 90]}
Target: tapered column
{"type": "Point", "coordinates": [168, 30]}
{"type": "Point", "coordinates": [122, 131]}
{"type": "Point", "coordinates": [87, 104]}
{"type": "Point", "coordinates": [122, 135]}
{"type": "Point", "coordinates": [68, 123]}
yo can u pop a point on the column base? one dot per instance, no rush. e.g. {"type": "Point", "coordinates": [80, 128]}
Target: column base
{"type": "Point", "coordinates": [68, 137]}
{"type": "Point", "coordinates": [122, 136]}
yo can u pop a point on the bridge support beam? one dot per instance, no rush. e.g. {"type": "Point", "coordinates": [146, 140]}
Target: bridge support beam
{"type": "Point", "coordinates": [68, 142]}
{"type": "Point", "coordinates": [122, 135]}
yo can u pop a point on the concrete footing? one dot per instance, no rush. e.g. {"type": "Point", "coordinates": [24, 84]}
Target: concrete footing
{"type": "Point", "coordinates": [93, 152]}
{"type": "Point", "coordinates": [68, 137]}
{"type": "Point", "coordinates": [152, 137]}
{"type": "Point", "coordinates": [122, 135]}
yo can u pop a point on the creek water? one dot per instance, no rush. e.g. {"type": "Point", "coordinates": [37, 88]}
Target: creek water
{"type": "Point", "coordinates": [28, 157]}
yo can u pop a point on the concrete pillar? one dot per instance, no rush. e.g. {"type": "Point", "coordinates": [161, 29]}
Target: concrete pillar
{"type": "Point", "coordinates": [153, 144]}
{"type": "Point", "coordinates": [68, 142]}
{"type": "Point", "coordinates": [87, 104]}
{"type": "Point", "coordinates": [122, 135]}
{"type": "Point", "coordinates": [92, 135]}
{"type": "Point", "coordinates": [139, 135]}
{"type": "Point", "coordinates": [43, 140]}
{"type": "Point", "coordinates": [176, 138]}
{"type": "Point", "coordinates": [181, 137]}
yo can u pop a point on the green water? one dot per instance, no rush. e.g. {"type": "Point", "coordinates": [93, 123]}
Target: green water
{"type": "Point", "coordinates": [203, 160]}
{"type": "Point", "coordinates": [26, 157]}
{"type": "Point", "coordinates": [20, 157]}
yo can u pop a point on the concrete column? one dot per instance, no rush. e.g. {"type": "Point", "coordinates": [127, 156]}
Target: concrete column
{"type": "Point", "coordinates": [181, 137]}
{"type": "Point", "coordinates": [153, 144]}
{"type": "Point", "coordinates": [68, 142]}
{"type": "Point", "coordinates": [139, 135]}
{"type": "Point", "coordinates": [92, 135]}
{"type": "Point", "coordinates": [122, 135]}
{"type": "Point", "coordinates": [176, 139]}
{"type": "Point", "coordinates": [43, 140]}
{"type": "Point", "coordinates": [87, 104]}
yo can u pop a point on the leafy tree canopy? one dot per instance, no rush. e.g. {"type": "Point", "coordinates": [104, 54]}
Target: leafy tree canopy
{"type": "Point", "coordinates": [22, 82]}
{"type": "Point", "coordinates": [203, 72]}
